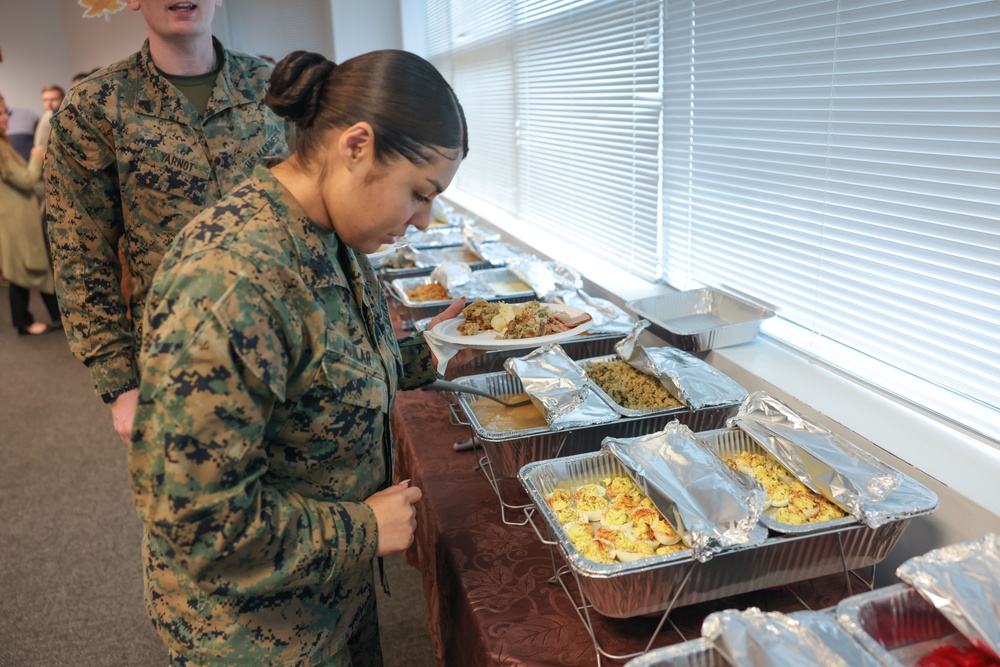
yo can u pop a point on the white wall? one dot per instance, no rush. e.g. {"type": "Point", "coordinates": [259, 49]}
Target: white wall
{"type": "Point", "coordinates": [360, 27]}
{"type": "Point", "coordinates": [48, 41]}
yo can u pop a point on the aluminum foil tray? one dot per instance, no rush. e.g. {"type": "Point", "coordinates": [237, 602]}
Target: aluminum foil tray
{"type": "Point", "coordinates": [437, 237]}
{"type": "Point", "coordinates": [621, 409]}
{"type": "Point", "coordinates": [897, 625]}
{"type": "Point", "coordinates": [491, 278]}
{"type": "Point", "coordinates": [440, 255]}
{"type": "Point", "coordinates": [580, 347]}
{"type": "Point", "coordinates": [728, 443]}
{"type": "Point", "coordinates": [694, 653]}
{"type": "Point", "coordinates": [415, 310]}
{"type": "Point", "coordinates": [701, 319]}
{"type": "Point", "coordinates": [509, 451]}
{"type": "Point", "coordinates": [646, 586]}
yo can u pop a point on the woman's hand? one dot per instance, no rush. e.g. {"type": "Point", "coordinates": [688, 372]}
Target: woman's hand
{"type": "Point", "coordinates": [123, 414]}
{"type": "Point", "coordinates": [37, 152]}
{"type": "Point", "coordinates": [462, 357]}
{"type": "Point", "coordinates": [395, 516]}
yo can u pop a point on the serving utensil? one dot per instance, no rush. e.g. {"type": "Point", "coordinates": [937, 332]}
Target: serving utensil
{"type": "Point", "coordinates": [445, 385]}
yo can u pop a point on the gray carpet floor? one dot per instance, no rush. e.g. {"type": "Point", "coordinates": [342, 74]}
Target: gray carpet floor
{"type": "Point", "coordinates": [70, 570]}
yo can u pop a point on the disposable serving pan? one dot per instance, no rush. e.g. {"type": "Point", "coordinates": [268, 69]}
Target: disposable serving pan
{"type": "Point", "coordinates": [508, 451]}
{"type": "Point", "coordinates": [897, 625]}
{"type": "Point", "coordinates": [727, 443]}
{"type": "Point", "coordinates": [414, 310]}
{"type": "Point", "coordinates": [439, 256]}
{"type": "Point", "coordinates": [584, 346]}
{"type": "Point", "coordinates": [648, 585]}
{"type": "Point", "coordinates": [587, 364]}
{"type": "Point", "coordinates": [694, 653]}
{"type": "Point", "coordinates": [701, 319]}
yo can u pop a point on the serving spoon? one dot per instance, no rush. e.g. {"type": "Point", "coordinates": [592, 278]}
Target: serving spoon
{"type": "Point", "coordinates": [445, 385]}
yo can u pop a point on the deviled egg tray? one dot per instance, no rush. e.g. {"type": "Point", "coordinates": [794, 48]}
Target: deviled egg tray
{"type": "Point", "coordinates": [659, 583]}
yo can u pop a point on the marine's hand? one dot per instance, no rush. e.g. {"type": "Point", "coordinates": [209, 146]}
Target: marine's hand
{"type": "Point", "coordinates": [123, 414]}
{"type": "Point", "coordinates": [462, 357]}
{"type": "Point", "coordinates": [395, 517]}
{"type": "Point", "coordinates": [37, 152]}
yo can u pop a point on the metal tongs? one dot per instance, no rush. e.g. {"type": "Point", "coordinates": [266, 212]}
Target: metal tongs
{"type": "Point", "coordinates": [444, 385]}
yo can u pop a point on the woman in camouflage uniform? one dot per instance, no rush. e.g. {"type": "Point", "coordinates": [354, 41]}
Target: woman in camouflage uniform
{"type": "Point", "coordinates": [262, 451]}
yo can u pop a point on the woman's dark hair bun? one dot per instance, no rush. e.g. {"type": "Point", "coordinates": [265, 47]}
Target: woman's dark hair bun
{"type": "Point", "coordinates": [296, 86]}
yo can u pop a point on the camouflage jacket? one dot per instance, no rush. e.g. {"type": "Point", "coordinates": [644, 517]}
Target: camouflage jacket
{"type": "Point", "coordinates": [263, 423]}
{"type": "Point", "coordinates": [130, 161]}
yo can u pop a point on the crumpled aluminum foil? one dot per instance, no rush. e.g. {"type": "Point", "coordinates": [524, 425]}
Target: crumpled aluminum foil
{"type": "Point", "coordinates": [499, 254]}
{"type": "Point", "coordinates": [824, 461]}
{"type": "Point", "coordinates": [962, 581]}
{"type": "Point", "coordinates": [476, 235]}
{"type": "Point", "coordinates": [458, 280]}
{"type": "Point", "coordinates": [696, 383]}
{"type": "Point", "coordinates": [547, 277]}
{"type": "Point", "coordinates": [753, 638]}
{"type": "Point", "coordinates": [608, 318]}
{"type": "Point", "coordinates": [709, 503]}
{"type": "Point", "coordinates": [407, 256]}
{"type": "Point", "coordinates": [559, 388]}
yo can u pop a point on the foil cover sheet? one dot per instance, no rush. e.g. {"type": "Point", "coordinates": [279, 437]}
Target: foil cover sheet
{"type": "Point", "coordinates": [498, 254]}
{"type": "Point", "coordinates": [830, 465]}
{"type": "Point", "coordinates": [962, 581]}
{"type": "Point", "coordinates": [696, 383]}
{"type": "Point", "coordinates": [559, 388]}
{"type": "Point", "coordinates": [712, 505]}
{"type": "Point", "coordinates": [474, 235]}
{"type": "Point", "coordinates": [457, 279]}
{"type": "Point", "coordinates": [407, 256]}
{"type": "Point", "coordinates": [547, 277]}
{"type": "Point", "coordinates": [608, 318]}
{"type": "Point", "coordinates": [753, 638]}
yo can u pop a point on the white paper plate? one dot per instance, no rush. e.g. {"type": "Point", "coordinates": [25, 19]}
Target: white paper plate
{"type": "Point", "coordinates": [447, 331]}
{"type": "Point", "coordinates": [384, 251]}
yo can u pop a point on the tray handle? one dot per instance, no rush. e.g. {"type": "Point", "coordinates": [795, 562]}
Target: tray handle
{"type": "Point", "coordinates": [453, 418]}
{"type": "Point", "coordinates": [529, 513]}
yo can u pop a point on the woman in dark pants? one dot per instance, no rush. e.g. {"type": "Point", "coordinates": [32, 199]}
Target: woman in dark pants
{"type": "Point", "coordinates": [24, 261]}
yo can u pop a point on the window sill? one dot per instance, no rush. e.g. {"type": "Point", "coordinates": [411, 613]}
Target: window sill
{"type": "Point", "coordinates": [917, 442]}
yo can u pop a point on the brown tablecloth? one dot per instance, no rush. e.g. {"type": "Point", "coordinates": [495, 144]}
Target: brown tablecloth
{"type": "Point", "coordinates": [487, 584]}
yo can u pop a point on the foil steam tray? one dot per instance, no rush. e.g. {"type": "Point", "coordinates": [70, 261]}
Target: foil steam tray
{"type": "Point", "coordinates": [897, 625]}
{"type": "Point", "coordinates": [730, 442]}
{"type": "Point", "coordinates": [622, 590]}
{"type": "Point", "coordinates": [586, 364]}
{"type": "Point", "coordinates": [440, 256]}
{"type": "Point", "coordinates": [694, 653]}
{"type": "Point", "coordinates": [508, 451]}
{"type": "Point", "coordinates": [701, 319]}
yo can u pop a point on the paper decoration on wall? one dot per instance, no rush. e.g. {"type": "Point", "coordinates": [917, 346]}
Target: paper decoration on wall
{"type": "Point", "coordinates": [97, 8]}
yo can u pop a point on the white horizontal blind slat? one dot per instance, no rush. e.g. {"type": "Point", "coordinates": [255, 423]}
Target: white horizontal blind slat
{"type": "Point", "coordinates": [840, 160]}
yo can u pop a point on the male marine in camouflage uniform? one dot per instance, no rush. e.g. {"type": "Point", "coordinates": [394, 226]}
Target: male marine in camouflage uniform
{"type": "Point", "coordinates": [131, 160]}
{"type": "Point", "coordinates": [270, 369]}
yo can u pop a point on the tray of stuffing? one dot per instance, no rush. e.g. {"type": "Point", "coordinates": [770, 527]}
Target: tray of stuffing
{"type": "Point", "coordinates": [701, 319]}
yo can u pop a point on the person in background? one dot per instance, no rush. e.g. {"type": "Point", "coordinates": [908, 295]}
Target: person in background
{"type": "Point", "coordinates": [80, 76]}
{"type": "Point", "coordinates": [21, 124]}
{"type": "Point", "coordinates": [23, 260]}
{"type": "Point", "coordinates": [262, 456]}
{"type": "Point", "coordinates": [136, 151]}
{"type": "Point", "coordinates": [52, 97]}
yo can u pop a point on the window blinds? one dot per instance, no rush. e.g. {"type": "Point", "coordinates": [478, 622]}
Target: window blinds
{"type": "Point", "coordinates": [563, 104]}
{"type": "Point", "coordinates": [841, 160]}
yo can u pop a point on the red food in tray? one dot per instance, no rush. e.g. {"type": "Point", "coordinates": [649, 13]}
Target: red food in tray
{"type": "Point", "coordinates": [952, 656]}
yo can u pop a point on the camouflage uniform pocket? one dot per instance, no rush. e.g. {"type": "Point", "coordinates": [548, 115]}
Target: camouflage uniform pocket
{"type": "Point", "coordinates": [355, 375]}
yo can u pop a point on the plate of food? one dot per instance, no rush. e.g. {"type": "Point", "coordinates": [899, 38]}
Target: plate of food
{"type": "Point", "coordinates": [498, 325]}
{"type": "Point", "coordinates": [383, 251]}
